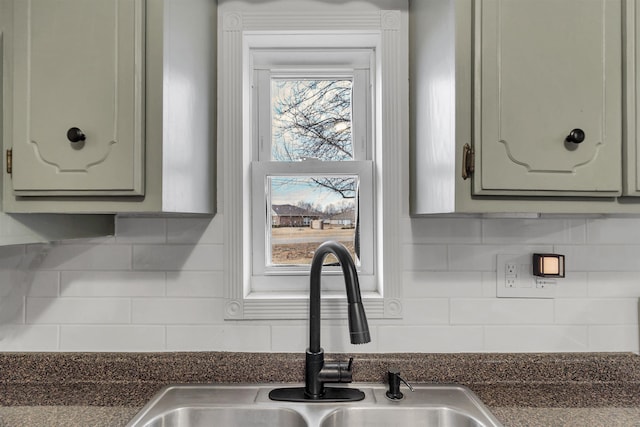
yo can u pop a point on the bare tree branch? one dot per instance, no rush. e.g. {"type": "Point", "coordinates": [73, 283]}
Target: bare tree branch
{"type": "Point", "coordinates": [312, 119]}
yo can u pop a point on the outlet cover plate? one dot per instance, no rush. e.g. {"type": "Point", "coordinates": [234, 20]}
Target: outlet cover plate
{"type": "Point", "coordinates": [515, 279]}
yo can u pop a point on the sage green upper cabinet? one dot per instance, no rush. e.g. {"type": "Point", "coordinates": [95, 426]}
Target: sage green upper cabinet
{"type": "Point", "coordinates": [111, 106]}
{"type": "Point", "coordinates": [77, 92]}
{"type": "Point", "coordinates": [547, 68]}
{"type": "Point", "coordinates": [517, 106]}
{"type": "Point", "coordinates": [39, 228]}
{"type": "Point", "coordinates": [632, 146]}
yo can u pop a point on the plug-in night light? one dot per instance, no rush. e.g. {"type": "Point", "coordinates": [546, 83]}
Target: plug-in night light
{"type": "Point", "coordinates": [548, 265]}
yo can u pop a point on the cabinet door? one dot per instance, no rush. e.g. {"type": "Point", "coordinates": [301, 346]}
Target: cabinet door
{"type": "Point", "coordinates": [78, 65]}
{"type": "Point", "coordinates": [545, 68]}
{"type": "Point", "coordinates": [632, 149]}
{"type": "Point", "coordinates": [636, 85]}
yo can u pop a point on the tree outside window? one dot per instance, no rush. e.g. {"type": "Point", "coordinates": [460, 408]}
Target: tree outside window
{"type": "Point", "coordinates": [311, 120]}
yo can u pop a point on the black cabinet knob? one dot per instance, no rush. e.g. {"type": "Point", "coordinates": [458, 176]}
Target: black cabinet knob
{"type": "Point", "coordinates": [576, 136]}
{"type": "Point", "coordinates": [75, 135]}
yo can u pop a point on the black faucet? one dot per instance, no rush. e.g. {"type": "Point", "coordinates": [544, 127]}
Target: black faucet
{"type": "Point", "coordinates": [316, 371]}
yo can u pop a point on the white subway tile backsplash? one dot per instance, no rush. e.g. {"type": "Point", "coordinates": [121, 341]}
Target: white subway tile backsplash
{"type": "Point", "coordinates": [492, 311]}
{"type": "Point", "coordinates": [473, 257]}
{"type": "Point", "coordinates": [573, 285]}
{"type": "Point", "coordinates": [614, 338]}
{"type": "Point", "coordinates": [28, 282]}
{"type": "Point", "coordinates": [431, 339]}
{"type": "Point", "coordinates": [29, 337]}
{"type": "Point", "coordinates": [195, 284]}
{"type": "Point", "coordinates": [141, 230]}
{"type": "Point", "coordinates": [78, 310]}
{"type": "Point", "coordinates": [111, 338]}
{"type": "Point", "coordinates": [159, 285]}
{"type": "Point", "coordinates": [178, 311]}
{"type": "Point", "coordinates": [112, 283]}
{"type": "Point", "coordinates": [533, 231]}
{"type": "Point", "coordinates": [44, 284]}
{"type": "Point", "coordinates": [442, 230]}
{"type": "Point", "coordinates": [195, 230]}
{"type": "Point", "coordinates": [10, 282]}
{"type": "Point", "coordinates": [88, 257]}
{"type": "Point", "coordinates": [178, 257]}
{"type": "Point", "coordinates": [12, 307]}
{"type": "Point", "coordinates": [488, 284]}
{"type": "Point", "coordinates": [613, 231]}
{"type": "Point", "coordinates": [614, 284]}
{"type": "Point", "coordinates": [596, 312]}
{"type": "Point", "coordinates": [291, 338]}
{"type": "Point", "coordinates": [12, 257]}
{"type": "Point", "coordinates": [102, 240]}
{"type": "Point", "coordinates": [518, 339]}
{"type": "Point", "coordinates": [614, 258]}
{"type": "Point", "coordinates": [418, 311]}
{"type": "Point", "coordinates": [483, 257]}
{"type": "Point", "coordinates": [434, 284]}
{"type": "Point", "coordinates": [218, 338]}
{"type": "Point", "coordinates": [424, 257]}
{"type": "Point", "coordinates": [334, 338]}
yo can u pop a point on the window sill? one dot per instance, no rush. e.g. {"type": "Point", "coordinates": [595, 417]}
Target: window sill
{"type": "Point", "coordinates": [295, 305]}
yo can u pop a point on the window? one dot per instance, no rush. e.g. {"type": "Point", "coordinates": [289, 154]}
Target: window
{"type": "Point", "coordinates": [312, 168]}
{"type": "Point", "coordinates": [277, 180]}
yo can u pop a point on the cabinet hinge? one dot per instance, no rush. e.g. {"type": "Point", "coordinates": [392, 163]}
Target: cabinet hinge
{"type": "Point", "coordinates": [9, 161]}
{"type": "Point", "coordinates": [468, 161]}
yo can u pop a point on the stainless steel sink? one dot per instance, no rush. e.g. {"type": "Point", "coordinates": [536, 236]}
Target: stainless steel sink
{"type": "Point", "coordinates": [441, 417]}
{"type": "Point", "coordinates": [249, 405]}
{"type": "Point", "coordinates": [227, 416]}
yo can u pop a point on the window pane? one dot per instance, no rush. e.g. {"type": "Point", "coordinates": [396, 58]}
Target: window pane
{"type": "Point", "coordinates": [311, 119]}
{"type": "Point", "coordinates": [309, 210]}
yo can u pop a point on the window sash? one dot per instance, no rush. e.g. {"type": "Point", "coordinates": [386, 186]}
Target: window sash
{"type": "Point", "coordinates": [261, 209]}
{"type": "Point", "coordinates": [361, 110]}
{"type": "Point", "coordinates": [271, 65]}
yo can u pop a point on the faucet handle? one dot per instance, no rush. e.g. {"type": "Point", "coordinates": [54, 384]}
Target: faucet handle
{"type": "Point", "coordinates": [337, 372]}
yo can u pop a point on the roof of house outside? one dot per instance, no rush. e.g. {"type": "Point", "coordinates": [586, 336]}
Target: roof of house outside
{"type": "Point", "coordinates": [290, 210]}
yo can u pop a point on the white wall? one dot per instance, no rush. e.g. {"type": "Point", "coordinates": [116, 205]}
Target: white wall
{"type": "Point", "coordinates": [157, 286]}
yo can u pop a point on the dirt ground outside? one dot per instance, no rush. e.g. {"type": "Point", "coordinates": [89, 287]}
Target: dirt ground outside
{"type": "Point", "coordinates": [296, 245]}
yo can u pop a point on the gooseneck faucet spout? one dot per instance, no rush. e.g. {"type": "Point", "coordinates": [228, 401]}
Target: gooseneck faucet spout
{"type": "Point", "coordinates": [317, 372]}
{"type": "Point", "coordinates": [358, 327]}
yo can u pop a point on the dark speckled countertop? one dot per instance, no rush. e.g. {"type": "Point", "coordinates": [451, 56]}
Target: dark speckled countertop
{"type": "Point", "coordinates": [107, 389]}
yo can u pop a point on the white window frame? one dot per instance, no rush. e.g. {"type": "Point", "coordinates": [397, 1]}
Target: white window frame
{"type": "Point", "coordinates": [385, 32]}
{"type": "Point", "coordinates": [286, 63]}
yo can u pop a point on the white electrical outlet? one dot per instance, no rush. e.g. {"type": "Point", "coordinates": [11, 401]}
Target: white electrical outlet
{"type": "Point", "coordinates": [515, 279]}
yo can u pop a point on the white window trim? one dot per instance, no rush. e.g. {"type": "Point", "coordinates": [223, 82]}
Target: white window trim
{"type": "Point", "coordinates": [388, 30]}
